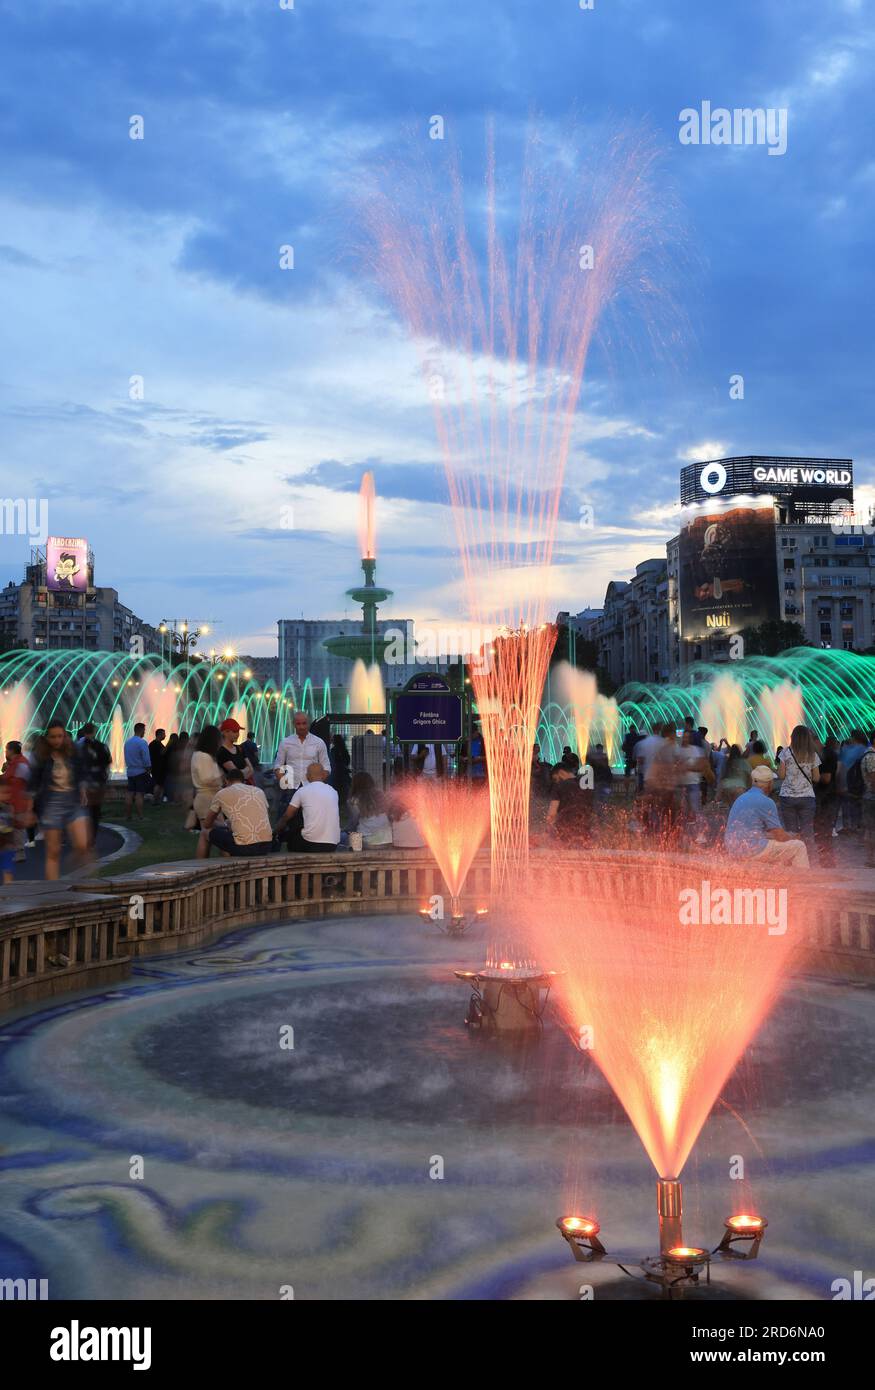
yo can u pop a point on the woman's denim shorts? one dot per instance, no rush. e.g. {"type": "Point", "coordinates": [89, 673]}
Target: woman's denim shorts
{"type": "Point", "coordinates": [59, 809]}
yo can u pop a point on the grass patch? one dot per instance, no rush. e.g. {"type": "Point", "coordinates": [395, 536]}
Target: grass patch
{"type": "Point", "coordinates": [161, 831]}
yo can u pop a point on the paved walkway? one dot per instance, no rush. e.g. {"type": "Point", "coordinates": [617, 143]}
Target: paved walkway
{"type": "Point", "coordinates": [34, 865]}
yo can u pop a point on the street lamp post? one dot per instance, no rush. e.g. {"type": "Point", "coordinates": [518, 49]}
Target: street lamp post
{"type": "Point", "coordinates": [183, 634]}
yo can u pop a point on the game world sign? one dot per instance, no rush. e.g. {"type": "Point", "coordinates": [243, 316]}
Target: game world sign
{"type": "Point", "coordinates": [793, 481]}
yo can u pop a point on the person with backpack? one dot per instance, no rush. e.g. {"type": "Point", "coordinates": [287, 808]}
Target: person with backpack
{"type": "Point", "coordinates": [851, 783]}
{"type": "Point", "coordinates": [96, 762]}
{"type": "Point", "coordinates": [799, 771]}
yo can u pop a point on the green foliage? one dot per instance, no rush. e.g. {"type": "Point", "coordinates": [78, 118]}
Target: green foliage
{"type": "Point", "coordinates": [773, 638]}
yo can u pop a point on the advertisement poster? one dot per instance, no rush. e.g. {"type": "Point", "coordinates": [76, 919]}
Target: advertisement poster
{"type": "Point", "coordinates": [66, 564]}
{"type": "Point", "coordinates": [727, 570]}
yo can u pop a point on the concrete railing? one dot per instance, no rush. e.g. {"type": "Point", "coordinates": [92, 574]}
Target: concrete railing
{"type": "Point", "coordinates": [60, 944]}
{"type": "Point", "coordinates": [88, 932]}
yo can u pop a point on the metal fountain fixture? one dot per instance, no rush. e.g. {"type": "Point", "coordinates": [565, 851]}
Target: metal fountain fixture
{"type": "Point", "coordinates": [678, 1267]}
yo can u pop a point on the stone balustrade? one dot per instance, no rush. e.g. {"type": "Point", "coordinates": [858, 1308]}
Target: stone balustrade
{"type": "Point", "coordinates": [87, 933]}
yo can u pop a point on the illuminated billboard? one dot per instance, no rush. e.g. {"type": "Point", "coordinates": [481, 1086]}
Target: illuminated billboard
{"type": "Point", "coordinates": [66, 564]}
{"type": "Point", "coordinates": [807, 488]}
{"type": "Point", "coordinates": [727, 569]}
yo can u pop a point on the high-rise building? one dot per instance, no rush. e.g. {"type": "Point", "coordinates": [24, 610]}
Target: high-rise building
{"type": "Point", "coordinates": [763, 538]}
{"type": "Point", "coordinates": [631, 633]}
{"type": "Point", "coordinates": [37, 616]}
{"type": "Point", "coordinates": [302, 651]}
{"type": "Point", "coordinates": [766, 539]}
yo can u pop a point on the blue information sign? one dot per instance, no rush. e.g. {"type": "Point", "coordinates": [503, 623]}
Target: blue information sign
{"type": "Point", "coordinates": [427, 711]}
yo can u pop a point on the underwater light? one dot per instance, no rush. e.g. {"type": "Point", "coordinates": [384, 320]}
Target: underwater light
{"type": "Point", "coordinates": [687, 1255]}
{"type": "Point", "coordinates": [745, 1229]}
{"type": "Point", "coordinates": [581, 1232]}
{"type": "Point", "coordinates": [455, 924]}
{"type": "Point", "coordinates": [678, 1268]}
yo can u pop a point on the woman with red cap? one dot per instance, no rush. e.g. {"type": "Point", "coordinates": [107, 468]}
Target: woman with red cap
{"type": "Point", "coordinates": [230, 756]}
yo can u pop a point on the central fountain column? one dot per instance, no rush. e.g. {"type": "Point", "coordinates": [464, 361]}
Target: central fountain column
{"type": "Point", "coordinates": [669, 1206]}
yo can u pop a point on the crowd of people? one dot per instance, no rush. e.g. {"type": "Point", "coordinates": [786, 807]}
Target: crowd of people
{"type": "Point", "coordinates": [308, 799]}
{"type": "Point", "coordinates": [52, 793]}
{"type": "Point", "coordinates": [690, 791]}
{"type": "Point", "coordinates": [788, 809]}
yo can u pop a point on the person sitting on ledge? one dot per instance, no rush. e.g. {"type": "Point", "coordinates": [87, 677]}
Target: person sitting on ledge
{"type": "Point", "coordinates": [310, 823]}
{"type": "Point", "coordinates": [406, 833]}
{"type": "Point", "coordinates": [367, 806]}
{"type": "Point", "coordinates": [754, 831]}
{"type": "Point", "coordinates": [569, 813]}
{"type": "Point", "coordinates": [248, 829]}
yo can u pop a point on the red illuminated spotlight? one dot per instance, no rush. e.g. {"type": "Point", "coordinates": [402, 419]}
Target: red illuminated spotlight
{"type": "Point", "coordinates": [582, 1232]}
{"type": "Point", "coordinates": [745, 1230]}
{"type": "Point", "coordinates": [454, 925]}
{"type": "Point", "coordinates": [689, 1256]}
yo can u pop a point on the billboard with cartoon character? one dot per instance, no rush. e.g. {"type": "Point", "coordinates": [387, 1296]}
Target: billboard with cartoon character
{"type": "Point", "coordinates": [728, 574]}
{"type": "Point", "coordinates": [66, 564]}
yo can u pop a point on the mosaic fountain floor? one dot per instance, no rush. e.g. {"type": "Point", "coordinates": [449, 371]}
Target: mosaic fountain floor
{"type": "Point", "coordinates": [268, 1167]}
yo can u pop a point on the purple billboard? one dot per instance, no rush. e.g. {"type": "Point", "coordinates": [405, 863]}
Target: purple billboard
{"type": "Point", "coordinates": [66, 564]}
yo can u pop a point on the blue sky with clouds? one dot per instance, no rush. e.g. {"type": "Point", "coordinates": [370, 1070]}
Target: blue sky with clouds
{"type": "Point", "coordinates": [269, 390]}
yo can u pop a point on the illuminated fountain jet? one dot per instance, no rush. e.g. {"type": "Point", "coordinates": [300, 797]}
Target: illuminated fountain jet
{"type": "Point", "coordinates": [16, 712]}
{"type": "Point", "coordinates": [504, 348]}
{"type": "Point", "coordinates": [454, 818]}
{"type": "Point", "coordinates": [670, 990]}
{"type": "Point", "coordinates": [368, 645]}
{"type": "Point", "coordinates": [593, 714]}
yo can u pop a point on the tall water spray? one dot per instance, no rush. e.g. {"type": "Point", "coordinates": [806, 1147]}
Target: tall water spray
{"type": "Point", "coordinates": [594, 716]}
{"type": "Point", "coordinates": [16, 711]}
{"type": "Point", "coordinates": [503, 311]}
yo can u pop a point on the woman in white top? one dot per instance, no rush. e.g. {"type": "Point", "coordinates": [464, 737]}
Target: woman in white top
{"type": "Point", "coordinates": [798, 769]}
{"type": "Point", "coordinates": [206, 775]}
{"type": "Point", "coordinates": [406, 833]}
{"type": "Point", "coordinates": [367, 808]}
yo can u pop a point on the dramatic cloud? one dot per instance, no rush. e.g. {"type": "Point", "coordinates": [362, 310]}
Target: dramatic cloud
{"type": "Point", "coordinates": [204, 416]}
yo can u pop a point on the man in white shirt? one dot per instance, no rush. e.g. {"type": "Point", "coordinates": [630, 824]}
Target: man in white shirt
{"type": "Point", "coordinates": [311, 821]}
{"type": "Point", "coordinates": [297, 751]}
{"type": "Point", "coordinates": [645, 749]}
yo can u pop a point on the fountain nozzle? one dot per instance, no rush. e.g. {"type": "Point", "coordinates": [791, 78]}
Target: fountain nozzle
{"type": "Point", "coordinates": [670, 1209]}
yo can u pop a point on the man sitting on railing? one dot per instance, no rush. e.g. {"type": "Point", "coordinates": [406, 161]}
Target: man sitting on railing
{"type": "Point", "coordinates": [248, 829]}
{"type": "Point", "coordinates": [311, 821]}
